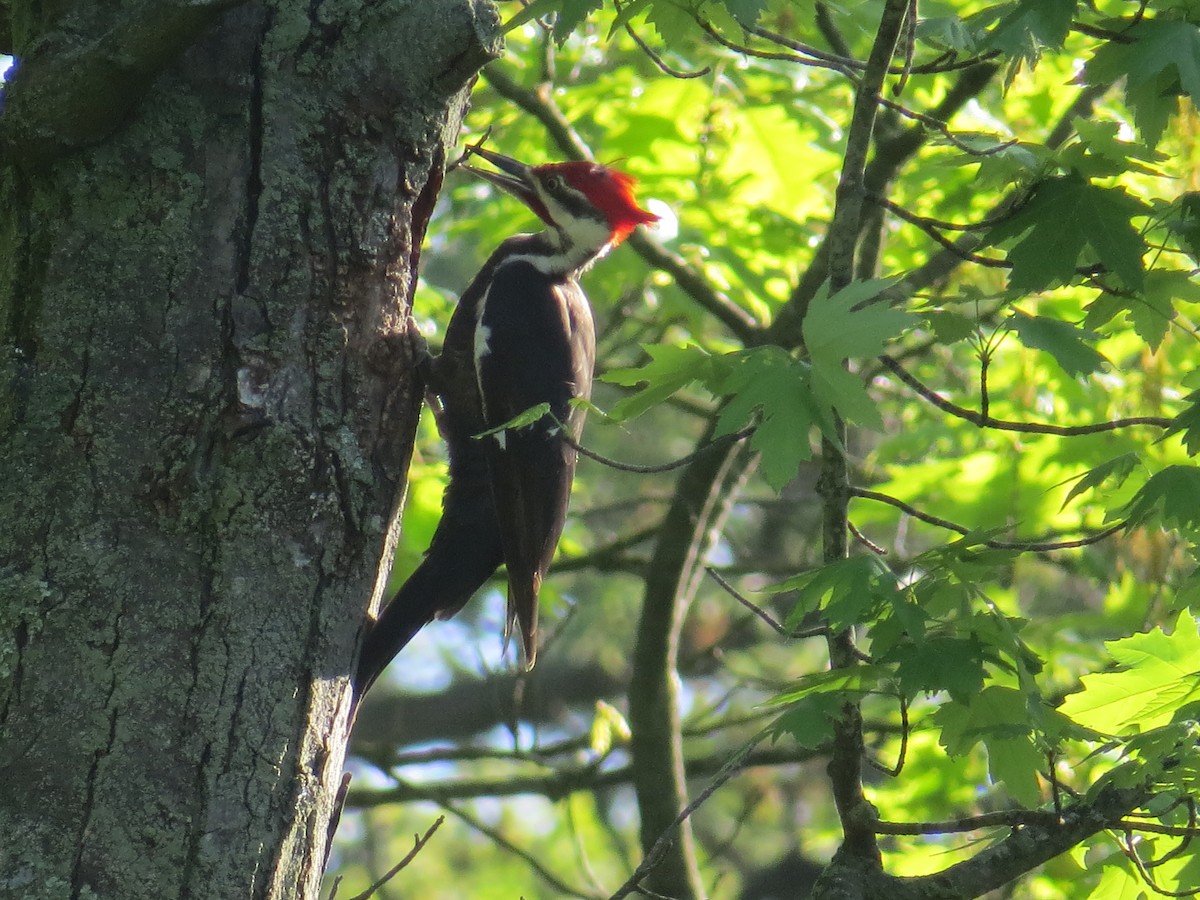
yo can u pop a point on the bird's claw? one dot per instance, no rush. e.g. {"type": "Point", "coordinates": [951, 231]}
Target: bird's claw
{"type": "Point", "coordinates": [418, 347]}
{"type": "Point", "coordinates": [419, 355]}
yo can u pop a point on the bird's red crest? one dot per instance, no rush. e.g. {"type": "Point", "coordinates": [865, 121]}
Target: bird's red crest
{"type": "Point", "coordinates": [611, 192]}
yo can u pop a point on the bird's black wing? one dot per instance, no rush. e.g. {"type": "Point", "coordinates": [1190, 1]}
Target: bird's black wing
{"type": "Point", "coordinates": [535, 344]}
{"type": "Point", "coordinates": [465, 550]}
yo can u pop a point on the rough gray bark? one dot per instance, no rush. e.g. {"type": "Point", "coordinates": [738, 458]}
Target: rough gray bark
{"type": "Point", "coordinates": [205, 423]}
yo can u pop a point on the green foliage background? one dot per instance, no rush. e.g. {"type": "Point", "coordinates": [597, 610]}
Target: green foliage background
{"type": "Point", "coordinates": [1025, 596]}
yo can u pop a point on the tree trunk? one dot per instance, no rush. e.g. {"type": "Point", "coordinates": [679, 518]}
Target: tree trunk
{"type": "Point", "coordinates": [206, 415]}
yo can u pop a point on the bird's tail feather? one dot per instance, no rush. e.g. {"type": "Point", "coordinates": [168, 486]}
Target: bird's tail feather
{"type": "Point", "coordinates": [454, 568]}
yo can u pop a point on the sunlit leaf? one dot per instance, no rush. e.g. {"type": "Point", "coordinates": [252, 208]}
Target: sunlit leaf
{"type": "Point", "coordinates": [1032, 25]}
{"type": "Point", "coordinates": [845, 590]}
{"type": "Point", "coordinates": [840, 327]}
{"type": "Point", "coordinates": [609, 727]}
{"type": "Point", "coordinates": [528, 417]}
{"type": "Point", "coordinates": [998, 717]}
{"type": "Point", "coordinates": [950, 326]}
{"type": "Point", "coordinates": [1159, 677]}
{"type": "Point", "coordinates": [670, 369]}
{"type": "Point", "coordinates": [1159, 59]}
{"type": "Point", "coordinates": [852, 680]}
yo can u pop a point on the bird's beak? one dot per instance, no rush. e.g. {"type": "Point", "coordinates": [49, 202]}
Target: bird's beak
{"type": "Point", "coordinates": [514, 177]}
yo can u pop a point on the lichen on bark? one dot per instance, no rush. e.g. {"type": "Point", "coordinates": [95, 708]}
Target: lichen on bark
{"type": "Point", "coordinates": [205, 415]}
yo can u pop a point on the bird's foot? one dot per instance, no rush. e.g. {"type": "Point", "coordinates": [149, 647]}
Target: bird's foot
{"type": "Point", "coordinates": [417, 349]}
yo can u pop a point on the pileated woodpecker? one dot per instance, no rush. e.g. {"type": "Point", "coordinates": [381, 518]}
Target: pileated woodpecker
{"type": "Point", "coordinates": [521, 336]}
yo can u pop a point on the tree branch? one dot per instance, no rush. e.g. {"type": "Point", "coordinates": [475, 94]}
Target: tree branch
{"type": "Point", "coordinates": [890, 155]}
{"type": "Point", "coordinates": [1028, 847]}
{"type": "Point", "coordinates": [419, 842]}
{"type": "Point", "coordinates": [704, 495]}
{"type": "Point", "coordinates": [986, 421]}
{"type": "Point", "coordinates": [561, 888]}
{"type": "Point", "coordinates": [1030, 546]}
{"type": "Point", "coordinates": [389, 719]}
{"type": "Point", "coordinates": [845, 765]}
{"type": "Point", "coordinates": [557, 784]}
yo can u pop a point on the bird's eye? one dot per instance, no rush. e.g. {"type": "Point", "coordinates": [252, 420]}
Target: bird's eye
{"type": "Point", "coordinates": [554, 182]}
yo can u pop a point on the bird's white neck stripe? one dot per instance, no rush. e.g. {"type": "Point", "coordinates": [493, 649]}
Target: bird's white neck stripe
{"type": "Point", "coordinates": [570, 263]}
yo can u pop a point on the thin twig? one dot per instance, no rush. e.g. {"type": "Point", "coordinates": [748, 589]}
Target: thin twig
{"type": "Point", "coordinates": [419, 841]}
{"type": "Point", "coordinates": [1180, 848]}
{"type": "Point", "coordinates": [866, 541]}
{"type": "Point", "coordinates": [843, 57]}
{"type": "Point", "coordinates": [1143, 870]}
{"type": "Point", "coordinates": [1028, 546]}
{"type": "Point", "coordinates": [561, 888]}
{"type": "Point", "coordinates": [775, 624]}
{"type": "Point", "coordinates": [558, 783]}
{"type": "Point", "coordinates": [1184, 831]}
{"type": "Point", "coordinates": [651, 860]}
{"type": "Point", "coordinates": [909, 37]}
{"type": "Point", "coordinates": [817, 59]}
{"type": "Point", "coordinates": [940, 224]}
{"type": "Point", "coordinates": [926, 226]}
{"type": "Point", "coordinates": [655, 58]}
{"type": "Point", "coordinates": [894, 771]}
{"type": "Point", "coordinates": [984, 421]}
{"type": "Point", "coordinates": [715, 444]}
{"type": "Point", "coordinates": [941, 128]}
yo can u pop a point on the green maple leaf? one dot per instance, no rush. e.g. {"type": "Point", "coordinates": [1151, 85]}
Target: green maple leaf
{"type": "Point", "coordinates": [671, 368]}
{"type": "Point", "coordinates": [1152, 311]}
{"type": "Point", "coordinates": [810, 721]}
{"type": "Point", "coordinates": [673, 20]}
{"type": "Point", "coordinates": [846, 590]}
{"type": "Point", "coordinates": [840, 327]}
{"type": "Point", "coordinates": [1158, 679]}
{"type": "Point", "coordinates": [746, 12]}
{"type": "Point", "coordinates": [1117, 468]}
{"type": "Point", "coordinates": [1031, 25]}
{"type": "Point", "coordinates": [941, 663]}
{"type": "Point", "coordinates": [998, 717]}
{"type": "Point", "coordinates": [1065, 215]}
{"type": "Point", "coordinates": [1162, 59]}
{"type": "Point", "coordinates": [1188, 423]}
{"type": "Point", "coordinates": [1067, 343]}
{"type": "Point", "coordinates": [1172, 495]}
{"type": "Point", "coordinates": [528, 417]}
{"type": "Point", "coordinates": [948, 33]}
{"type": "Point", "coordinates": [1186, 225]}
{"type": "Point", "coordinates": [769, 383]}
{"type": "Point", "coordinates": [861, 679]}
{"type": "Point", "coordinates": [571, 15]}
